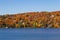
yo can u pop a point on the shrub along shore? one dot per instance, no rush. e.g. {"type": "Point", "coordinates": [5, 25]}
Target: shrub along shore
{"type": "Point", "coordinates": [31, 20]}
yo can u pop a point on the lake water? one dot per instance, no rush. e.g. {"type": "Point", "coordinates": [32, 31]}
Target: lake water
{"type": "Point", "coordinates": [29, 34]}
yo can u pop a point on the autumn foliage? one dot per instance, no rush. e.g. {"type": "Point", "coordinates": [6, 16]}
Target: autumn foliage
{"type": "Point", "coordinates": [31, 20]}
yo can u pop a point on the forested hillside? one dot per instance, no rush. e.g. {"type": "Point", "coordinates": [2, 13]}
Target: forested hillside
{"type": "Point", "coordinates": [31, 20]}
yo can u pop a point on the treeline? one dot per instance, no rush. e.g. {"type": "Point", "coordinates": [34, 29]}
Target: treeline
{"type": "Point", "coordinates": [31, 20]}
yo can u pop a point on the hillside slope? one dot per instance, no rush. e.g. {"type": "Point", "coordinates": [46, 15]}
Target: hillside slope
{"type": "Point", "coordinates": [31, 20]}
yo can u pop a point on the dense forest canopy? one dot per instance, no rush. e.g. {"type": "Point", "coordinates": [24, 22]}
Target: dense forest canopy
{"type": "Point", "coordinates": [31, 20]}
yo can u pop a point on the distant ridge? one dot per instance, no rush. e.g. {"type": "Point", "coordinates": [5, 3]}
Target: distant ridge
{"type": "Point", "coordinates": [31, 20]}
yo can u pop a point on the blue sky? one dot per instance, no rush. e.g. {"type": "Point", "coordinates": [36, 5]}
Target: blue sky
{"type": "Point", "coordinates": [18, 6]}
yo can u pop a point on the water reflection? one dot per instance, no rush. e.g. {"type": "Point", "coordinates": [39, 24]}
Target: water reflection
{"type": "Point", "coordinates": [29, 34]}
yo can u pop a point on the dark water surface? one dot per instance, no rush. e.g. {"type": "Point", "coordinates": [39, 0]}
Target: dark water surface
{"type": "Point", "coordinates": [29, 34]}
